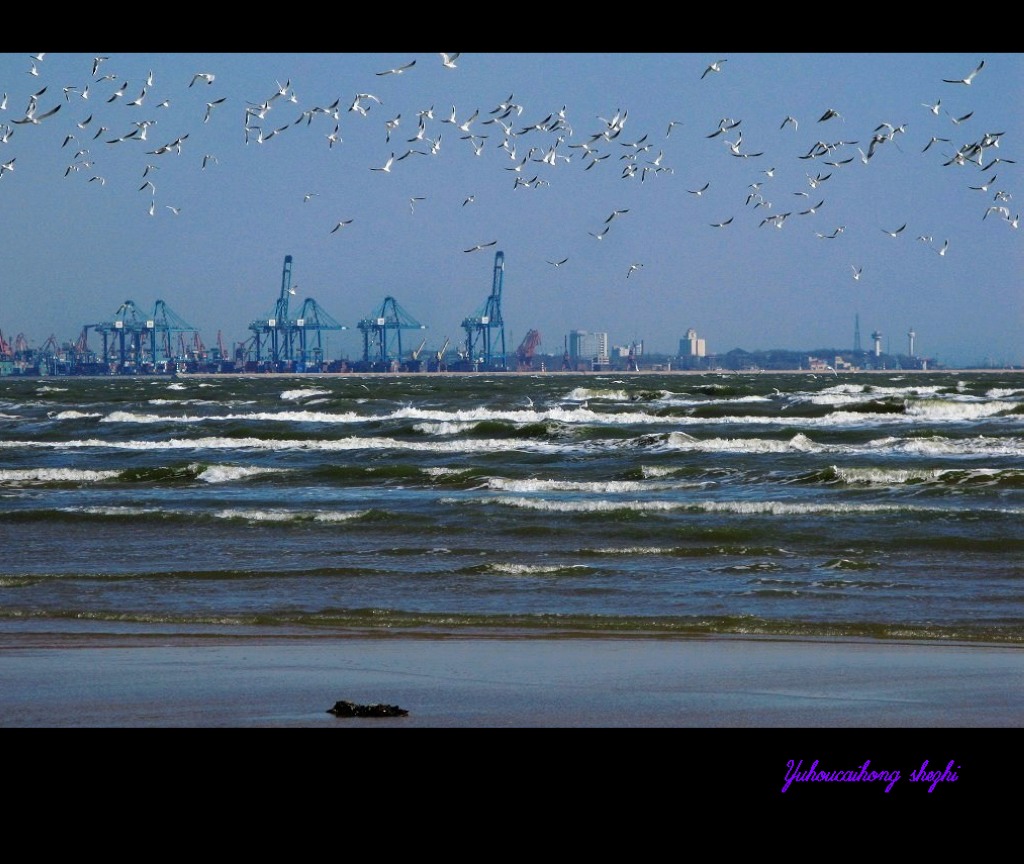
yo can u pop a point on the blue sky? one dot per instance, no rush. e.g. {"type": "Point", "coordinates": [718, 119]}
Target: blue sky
{"type": "Point", "coordinates": [75, 248]}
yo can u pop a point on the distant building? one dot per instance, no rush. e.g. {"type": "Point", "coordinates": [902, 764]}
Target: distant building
{"type": "Point", "coordinates": [692, 346]}
{"type": "Point", "coordinates": [588, 350]}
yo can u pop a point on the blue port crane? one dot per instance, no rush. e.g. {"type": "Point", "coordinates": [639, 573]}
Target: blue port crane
{"type": "Point", "coordinates": [122, 335]}
{"type": "Point", "coordinates": [277, 326]}
{"type": "Point", "coordinates": [163, 326]}
{"type": "Point", "coordinates": [382, 333]}
{"type": "Point", "coordinates": [288, 338]}
{"type": "Point", "coordinates": [485, 331]}
{"type": "Point", "coordinates": [311, 321]}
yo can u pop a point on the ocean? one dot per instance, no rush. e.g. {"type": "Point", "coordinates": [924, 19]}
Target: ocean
{"type": "Point", "coordinates": [881, 506]}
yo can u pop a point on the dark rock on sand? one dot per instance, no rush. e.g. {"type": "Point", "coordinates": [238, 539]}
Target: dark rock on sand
{"type": "Point", "coordinates": [342, 708]}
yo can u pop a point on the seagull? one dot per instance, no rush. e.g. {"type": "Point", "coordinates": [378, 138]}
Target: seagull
{"type": "Point", "coordinates": [387, 165]}
{"type": "Point", "coordinates": [208, 158]}
{"type": "Point", "coordinates": [700, 191]}
{"type": "Point", "coordinates": [714, 67]}
{"type": "Point", "coordinates": [896, 232]}
{"type": "Point", "coordinates": [96, 64]}
{"type": "Point", "coordinates": [398, 70]}
{"type": "Point", "coordinates": [671, 123]}
{"type": "Point", "coordinates": [792, 120]}
{"type": "Point", "coordinates": [829, 114]}
{"type": "Point", "coordinates": [480, 246]}
{"type": "Point", "coordinates": [119, 92]}
{"type": "Point", "coordinates": [202, 76]}
{"type": "Point", "coordinates": [966, 80]}
{"type": "Point", "coordinates": [614, 214]}
{"type": "Point", "coordinates": [813, 209]}
{"type": "Point", "coordinates": [632, 268]}
{"type": "Point", "coordinates": [558, 263]}
{"type": "Point", "coordinates": [933, 108]}
{"type": "Point", "coordinates": [174, 210]}
{"type": "Point", "coordinates": [958, 120]}
{"type": "Point", "coordinates": [32, 117]}
{"type": "Point", "coordinates": [210, 105]}
{"type": "Point", "coordinates": [601, 233]}
{"type": "Point", "coordinates": [413, 200]}
{"type": "Point", "coordinates": [945, 246]}
{"type": "Point", "coordinates": [308, 196]}
{"type": "Point", "coordinates": [933, 140]}
{"type": "Point", "coordinates": [722, 224]}
{"type": "Point", "coordinates": [469, 200]}
{"type": "Point", "coordinates": [449, 60]}
{"type": "Point", "coordinates": [341, 225]}
{"type": "Point", "coordinates": [856, 271]}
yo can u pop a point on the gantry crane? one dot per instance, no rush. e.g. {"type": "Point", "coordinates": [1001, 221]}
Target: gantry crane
{"type": "Point", "coordinates": [382, 334]}
{"type": "Point", "coordinates": [162, 326]}
{"type": "Point", "coordinates": [524, 353]}
{"type": "Point", "coordinates": [126, 330]}
{"type": "Point", "coordinates": [481, 346]}
{"type": "Point", "coordinates": [312, 319]}
{"type": "Point", "coordinates": [277, 326]}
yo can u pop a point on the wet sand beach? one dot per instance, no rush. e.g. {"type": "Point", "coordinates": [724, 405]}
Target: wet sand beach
{"type": "Point", "coordinates": [501, 682]}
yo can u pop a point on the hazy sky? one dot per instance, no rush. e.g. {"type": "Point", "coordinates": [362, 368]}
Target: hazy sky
{"type": "Point", "coordinates": [620, 132]}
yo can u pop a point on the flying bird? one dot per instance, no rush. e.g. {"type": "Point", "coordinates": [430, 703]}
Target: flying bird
{"type": "Point", "coordinates": [789, 119]}
{"type": "Point", "coordinates": [632, 269]}
{"type": "Point", "coordinates": [558, 263]}
{"type": "Point", "coordinates": [480, 246]}
{"type": "Point", "coordinates": [32, 117]}
{"type": "Point", "coordinates": [945, 246]}
{"type": "Point", "coordinates": [413, 200]}
{"type": "Point", "coordinates": [614, 214]}
{"type": "Point", "coordinates": [722, 224]}
{"type": "Point", "coordinates": [700, 191]}
{"type": "Point", "coordinates": [714, 67]}
{"type": "Point", "coordinates": [896, 232]}
{"type": "Point", "coordinates": [398, 70]}
{"type": "Point", "coordinates": [829, 114]}
{"type": "Point", "coordinates": [210, 106]}
{"type": "Point", "coordinates": [856, 271]}
{"type": "Point", "coordinates": [202, 76]}
{"type": "Point", "coordinates": [386, 167]}
{"type": "Point", "coordinates": [449, 60]}
{"type": "Point", "coordinates": [341, 225]}
{"type": "Point", "coordinates": [968, 79]}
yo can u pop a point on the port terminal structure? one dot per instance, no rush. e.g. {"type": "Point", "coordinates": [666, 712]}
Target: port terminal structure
{"type": "Point", "coordinates": [485, 330]}
{"type": "Point", "coordinates": [135, 341]}
{"type": "Point", "coordinates": [281, 343]}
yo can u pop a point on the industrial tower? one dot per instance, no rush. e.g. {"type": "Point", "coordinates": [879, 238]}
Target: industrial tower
{"type": "Point", "coordinates": [283, 332]}
{"type": "Point", "coordinates": [382, 334]}
{"type": "Point", "coordinates": [130, 335]}
{"type": "Point", "coordinates": [481, 347]}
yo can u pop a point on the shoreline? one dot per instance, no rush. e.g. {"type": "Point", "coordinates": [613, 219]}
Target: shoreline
{"type": "Point", "coordinates": [527, 373]}
{"type": "Point", "coordinates": [57, 681]}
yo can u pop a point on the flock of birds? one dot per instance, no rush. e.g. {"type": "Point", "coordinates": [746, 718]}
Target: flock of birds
{"type": "Point", "coordinates": [533, 147]}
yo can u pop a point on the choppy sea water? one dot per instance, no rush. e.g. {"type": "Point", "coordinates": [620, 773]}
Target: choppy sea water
{"type": "Point", "coordinates": [887, 506]}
